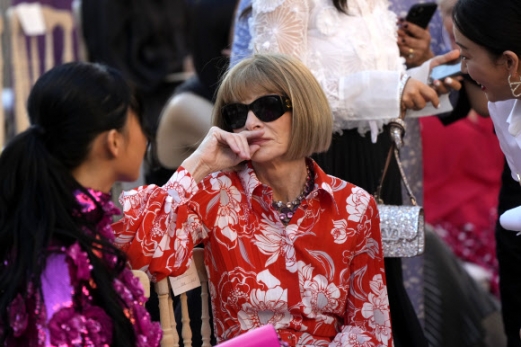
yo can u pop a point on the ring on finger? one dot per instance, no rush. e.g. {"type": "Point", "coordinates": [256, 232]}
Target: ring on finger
{"type": "Point", "coordinates": [411, 53]}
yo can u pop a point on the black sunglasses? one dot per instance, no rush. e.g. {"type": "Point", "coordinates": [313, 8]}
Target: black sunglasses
{"type": "Point", "coordinates": [267, 108]}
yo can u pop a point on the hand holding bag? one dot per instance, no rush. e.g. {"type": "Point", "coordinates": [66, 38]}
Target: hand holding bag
{"type": "Point", "coordinates": [402, 227]}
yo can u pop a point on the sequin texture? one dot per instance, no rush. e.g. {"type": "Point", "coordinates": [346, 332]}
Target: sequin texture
{"type": "Point", "coordinates": [84, 323]}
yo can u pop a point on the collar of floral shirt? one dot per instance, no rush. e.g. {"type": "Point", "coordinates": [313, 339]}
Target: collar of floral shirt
{"type": "Point", "coordinates": [323, 182]}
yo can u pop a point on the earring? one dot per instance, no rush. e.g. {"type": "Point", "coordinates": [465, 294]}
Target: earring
{"type": "Point", "coordinates": [514, 86]}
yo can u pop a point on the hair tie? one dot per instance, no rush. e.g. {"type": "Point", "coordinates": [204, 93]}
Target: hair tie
{"type": "Point", "coordinates": [37, 129]}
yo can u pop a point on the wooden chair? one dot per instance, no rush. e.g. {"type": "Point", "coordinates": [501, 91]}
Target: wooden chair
{"type": "Point", "coordinates": [82, 47]}
{"type": "Point", "coordinates": [166, 309]}
{"type": "Point", "coordinates": [26, 67]}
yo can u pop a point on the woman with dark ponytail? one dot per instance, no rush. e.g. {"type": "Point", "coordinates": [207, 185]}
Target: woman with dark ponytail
{"type": "Point", "coordinates": [62, 282]}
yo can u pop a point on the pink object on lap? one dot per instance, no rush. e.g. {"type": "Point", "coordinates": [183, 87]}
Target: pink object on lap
{"type": "Point", "coordinates": [265, 336]}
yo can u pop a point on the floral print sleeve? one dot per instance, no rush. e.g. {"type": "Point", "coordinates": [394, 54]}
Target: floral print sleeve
{"type": "Point", "coordinates": [319, 280]}
{"type": "Point", "coordinates": [368, 319]}
{"type": "Point", "coordinates": [148, 232]}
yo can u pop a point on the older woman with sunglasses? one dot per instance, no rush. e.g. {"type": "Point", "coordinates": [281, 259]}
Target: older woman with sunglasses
{"type": "Point", "coordinates": [285, 244]}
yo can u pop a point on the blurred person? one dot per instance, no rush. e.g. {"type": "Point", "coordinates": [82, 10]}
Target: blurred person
{"type": "Point", "coordinates": [491, 58]}
{"type": "Point", "coordinates": [460, 167]}
{"type": "Point", "coordinates": [285, 244]}
{"type": "Point", "coordinates": [462, 179]}
{"type": "Point", "coordinates": [186, 117]}
{"type": "Point", "coordinates": [455, 294]}
{"type": "Point", "coordinates": [145, 40]}
{"type": "Point", "coordinates": [62, 281]}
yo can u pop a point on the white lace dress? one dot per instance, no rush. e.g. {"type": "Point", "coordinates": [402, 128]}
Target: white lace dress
{"type": "Point", "coordinates": [354, 56]}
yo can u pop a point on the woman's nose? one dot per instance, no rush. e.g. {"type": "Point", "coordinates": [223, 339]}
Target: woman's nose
{"type": "Point", "coordinates": [252, 122]}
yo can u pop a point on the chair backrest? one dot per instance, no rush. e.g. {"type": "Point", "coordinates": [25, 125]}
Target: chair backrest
{"type": "Point", "coordinates": [166, 309]}
{"type": "Point", "coordinates": [25, 58]}
{"type": "Point", "coordinates": [76, 12]}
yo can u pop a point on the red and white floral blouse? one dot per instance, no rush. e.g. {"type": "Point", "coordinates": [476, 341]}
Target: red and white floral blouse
{"type": "Point", "coordinates": [319, 280]}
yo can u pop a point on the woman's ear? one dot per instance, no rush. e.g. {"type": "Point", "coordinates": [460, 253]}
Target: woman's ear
{"type": "Point", "coordinates": [511, 60]}
{"type": "Point", "coordinates": [114, 142]}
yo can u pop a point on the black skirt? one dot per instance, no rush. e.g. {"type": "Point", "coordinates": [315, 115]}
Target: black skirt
{"type": "Point", "coordinates": [354, 158]}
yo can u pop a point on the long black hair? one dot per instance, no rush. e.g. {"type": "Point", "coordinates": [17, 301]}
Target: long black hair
{"type": "Point", "coordinates": [492, 24]}
{"type": "Point", "coordinates": [69, 106]}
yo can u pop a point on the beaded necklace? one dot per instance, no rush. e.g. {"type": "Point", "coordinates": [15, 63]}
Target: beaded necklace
{"type": "Point", "coordinates": [287, 209]}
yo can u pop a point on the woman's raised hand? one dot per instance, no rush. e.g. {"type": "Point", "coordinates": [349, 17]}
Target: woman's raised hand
{"type": "Point", "coordinates": [414, 43]}
{"type": "Point", "coordinates": [220, 150]}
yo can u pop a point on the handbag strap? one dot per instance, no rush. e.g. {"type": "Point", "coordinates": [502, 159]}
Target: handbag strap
{"type": "Point", "coordinates": [397, 131]}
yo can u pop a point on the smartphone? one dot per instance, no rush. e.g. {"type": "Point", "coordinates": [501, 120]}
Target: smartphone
{"type": "Point", "coordinates": [421, 14]}
{"type": "Point", "coordinates": [443, 71]}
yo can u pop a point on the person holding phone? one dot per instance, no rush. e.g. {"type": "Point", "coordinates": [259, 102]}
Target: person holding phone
{"type": "Point", "coordinates": [488, 34]}
{"type": "Point", "coordinates": [415, 31]}
{"type": "Point", "coordinates": [421, 33]}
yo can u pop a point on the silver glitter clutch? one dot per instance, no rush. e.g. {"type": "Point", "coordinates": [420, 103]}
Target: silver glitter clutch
{"type": "Point", "coordinates": [402, 230]}
{"type": "Point", "coordinates": [402, 227]}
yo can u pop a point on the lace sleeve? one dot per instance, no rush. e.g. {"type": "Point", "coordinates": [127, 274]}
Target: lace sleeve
{"type": "Point", "coordinates": [280, 26]}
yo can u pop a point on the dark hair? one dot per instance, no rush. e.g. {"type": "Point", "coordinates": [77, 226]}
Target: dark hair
{"type": "Point", "coordinates": [210, 35]}
{"type": "Point", "coordinates": [69, 106]}
{"type": "Point", "coordinates": [492, 24]}
{"type": "Point", "coordinates": [340, 5]}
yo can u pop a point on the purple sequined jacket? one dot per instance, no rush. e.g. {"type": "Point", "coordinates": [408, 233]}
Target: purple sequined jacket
{"type": "Point", "coordinates": [64, 313]}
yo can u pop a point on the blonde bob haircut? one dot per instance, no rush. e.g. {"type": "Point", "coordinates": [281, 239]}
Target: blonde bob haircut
{"type": "Point", "coordinates": [262, 74]}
